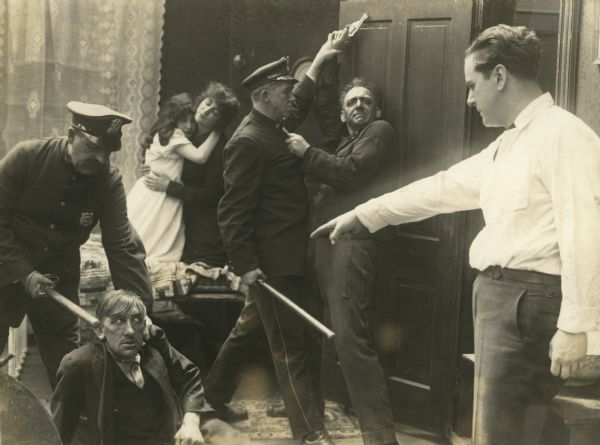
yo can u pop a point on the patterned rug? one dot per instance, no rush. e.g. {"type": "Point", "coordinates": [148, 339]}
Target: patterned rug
{"type": "Point", "coordinates": [261, 427]}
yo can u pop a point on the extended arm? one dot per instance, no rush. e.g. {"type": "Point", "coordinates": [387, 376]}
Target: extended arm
{"type": "Point", "coordinates": [449, 191]}
{"type": "Point", "coordinates": [304, 92]}
{"type": "Point", "coordinates": [13, 171]}
{"type": "Point", "coordinates": [123, 247]}
{"type": "Point", "coordinates": [374, 148]}
{"type": "Point", "coordinates": [201, 154]}
{"type": "Point", "coordinates": [184, 376]}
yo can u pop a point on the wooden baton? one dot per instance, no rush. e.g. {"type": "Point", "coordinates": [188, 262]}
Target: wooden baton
{"type": "Point", "coordinates": [301, 312]}
{"type": "Point", "coordinates": [73, 308]}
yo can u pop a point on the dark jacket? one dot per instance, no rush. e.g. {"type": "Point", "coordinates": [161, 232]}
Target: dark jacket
{"type": "Point", "coordinates": [86, 385]}
{"type": "Point", "coordinates": [348, 170]}
{"type": "Point", "coordinates": [200, 192]}
{"type": "Point", "coordinates": [263, 213]}
{"type": "Point", "coordinates": [349, 175]}
{"type": "Point", "coordinates": [47, 210]}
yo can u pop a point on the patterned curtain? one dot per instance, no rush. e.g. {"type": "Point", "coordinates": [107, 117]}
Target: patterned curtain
{"type": "Point", "coordinates": [98, 51]}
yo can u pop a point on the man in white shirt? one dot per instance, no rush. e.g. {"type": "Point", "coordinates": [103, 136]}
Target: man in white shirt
{"type": "Point", "coordinates": [537, 297]}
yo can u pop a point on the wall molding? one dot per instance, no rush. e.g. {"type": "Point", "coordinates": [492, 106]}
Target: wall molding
{"type": "Point", "coordinates": [568, 44]}
{"type": "Point", "coordinates": [596, 52]}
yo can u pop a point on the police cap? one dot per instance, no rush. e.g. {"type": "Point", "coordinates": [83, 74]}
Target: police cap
{"type": "Point", "coordinates": [100, 124]}
{"type": "Point", "coordinates": [274, 71]}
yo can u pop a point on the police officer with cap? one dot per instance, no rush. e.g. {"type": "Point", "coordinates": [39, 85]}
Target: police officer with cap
{"type": "Point", "coordinates": [53, 191]}
{"type": "Point", "coordinates": [263, 220]}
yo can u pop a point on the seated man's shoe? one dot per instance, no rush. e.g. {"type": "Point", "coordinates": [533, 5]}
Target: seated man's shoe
{"type": "Point", "coordinates": [230, 413]}
{"type": "Point", "coordinates": [276, 410]}
{"type": "Point", "coordinates": [319, 437]}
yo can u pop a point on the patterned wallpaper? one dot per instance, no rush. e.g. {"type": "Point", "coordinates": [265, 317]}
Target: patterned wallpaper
{"type": "Point", "coordinates": [588, 76]}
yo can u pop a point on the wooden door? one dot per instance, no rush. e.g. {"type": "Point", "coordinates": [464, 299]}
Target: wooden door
{"type": "Point", "coordinates": [414, 51]}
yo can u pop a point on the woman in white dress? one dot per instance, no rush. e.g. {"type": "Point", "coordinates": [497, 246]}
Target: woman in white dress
{"type": "Point", "coordinates": [156, 216]}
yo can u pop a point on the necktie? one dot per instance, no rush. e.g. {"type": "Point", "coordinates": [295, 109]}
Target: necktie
{"type": "Point", "coordinates": [136, 374]}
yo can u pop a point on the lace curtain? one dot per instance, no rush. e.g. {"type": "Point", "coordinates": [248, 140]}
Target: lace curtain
{"type": "Point", "coordinates": [99, 51]}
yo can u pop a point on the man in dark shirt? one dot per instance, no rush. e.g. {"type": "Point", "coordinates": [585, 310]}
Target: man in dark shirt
{"type": "Point", "coordinates": [350, 172]}
{"type": "Point", "coordinates": [132, 392]}
{"type": "Point", "coordinates": [52, 193]}
{"type": "Point", "coordinates": [263, 220]}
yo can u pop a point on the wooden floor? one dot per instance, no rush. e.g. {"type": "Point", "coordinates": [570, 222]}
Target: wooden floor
{"type": "Point", "coordinates": [34, 377]}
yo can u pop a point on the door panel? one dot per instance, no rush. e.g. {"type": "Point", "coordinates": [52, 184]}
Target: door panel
{"type": "Point", "coordinates": [414, 51]}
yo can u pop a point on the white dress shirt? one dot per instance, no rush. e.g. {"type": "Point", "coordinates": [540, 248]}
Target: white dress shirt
{"type": "Point", "coordinates": [538, 186]}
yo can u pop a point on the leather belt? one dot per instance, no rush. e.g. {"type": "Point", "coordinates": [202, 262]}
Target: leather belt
{"type": "Point", "coordinates": [527, 276]}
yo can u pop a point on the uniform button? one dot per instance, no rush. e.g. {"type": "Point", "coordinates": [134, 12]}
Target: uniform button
{"type": "Point", "coordinates": [46, 249]}
{"type": "Point", "coordinates": [63, 204]}
{"type": "Point", "coordinates": [497, 274]}
{"type": "Point", "coordinates": [73, 178]}
{"type": "Point", "coordinates": [52, 226]}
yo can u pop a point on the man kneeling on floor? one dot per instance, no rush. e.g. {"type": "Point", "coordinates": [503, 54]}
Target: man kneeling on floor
{"type": "Point", "coordinates": [134, 392]}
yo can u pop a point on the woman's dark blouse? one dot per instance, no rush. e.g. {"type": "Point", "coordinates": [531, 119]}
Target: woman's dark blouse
{"type": "Point", "coordinates": [201, 191]}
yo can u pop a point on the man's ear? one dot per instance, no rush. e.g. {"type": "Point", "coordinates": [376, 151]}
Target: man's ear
{"type": "Point", "coordinates": [71, 136]}
{"type": "Point", "coordinates": [264, 95]}
{"type": "Point", "coordinates": [500, 75]}
{"type": "Point", "coordinates": [378, 113]}
{"type": "Point", "coordinates": [342, 116]}
{"type": "Point", "coordinates": [99, 332]}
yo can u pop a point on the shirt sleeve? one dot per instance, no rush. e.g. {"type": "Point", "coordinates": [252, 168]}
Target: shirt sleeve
{"type": "Point", "coordinates": [123, 246]}
{"type": "Point", "coordinates": [449, 191]}
{"type": "Point", "coordinates": [569, 171]}
{"type": "Point", "coordinates": [178, 139]}
{"type": "Point", "coordinates": [372, 149]}
{"type": "Point", "coordinates": [327, 105]}
{"type": "Point", "coordinates": [243, 167]}
{"type": "Point", "coordinates": [13, 171]}
{"type": "Point", "coordinates": [302, 99]}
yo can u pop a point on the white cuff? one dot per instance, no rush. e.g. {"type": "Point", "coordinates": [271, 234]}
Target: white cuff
{"type": "Point", "coordinates": [593, 343]}
{"type": "Point", "coordinates": [368, 215]}
{"type": "Point", "coordinates": [576, 319]}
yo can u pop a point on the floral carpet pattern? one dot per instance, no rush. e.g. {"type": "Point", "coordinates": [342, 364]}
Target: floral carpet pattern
{"type": "Point", "coordinates": [261, 427]}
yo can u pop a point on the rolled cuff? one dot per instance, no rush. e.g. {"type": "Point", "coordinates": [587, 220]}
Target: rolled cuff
{"type": "Point", "coordinates": [369, 216]}
{"type": "Point", "coordinates": [576, 319]}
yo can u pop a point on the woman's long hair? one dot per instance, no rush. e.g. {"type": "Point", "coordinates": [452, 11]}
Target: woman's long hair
{"type": "Point", "coordinates": [225, 99]}
{"type": "Point", "coordinates": [175, 108]}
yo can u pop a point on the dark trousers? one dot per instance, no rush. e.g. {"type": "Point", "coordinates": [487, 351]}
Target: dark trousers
{"type": "Point", "coordinates": [345, 274]}
{"type": "Point", "coordinates": [234, 355]}
{"type": "Point", "coordinates": [515, 315]}
{"type": "Point", "coordinates": [290, 349]}
{"type": "Point", "coordinates": [56, 329]}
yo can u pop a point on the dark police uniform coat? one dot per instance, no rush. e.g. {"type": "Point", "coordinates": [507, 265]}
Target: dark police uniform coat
{"type": "Point", "coordinates": [263, 213]}
{"type": "Point", "coordinates": [47, 211]}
